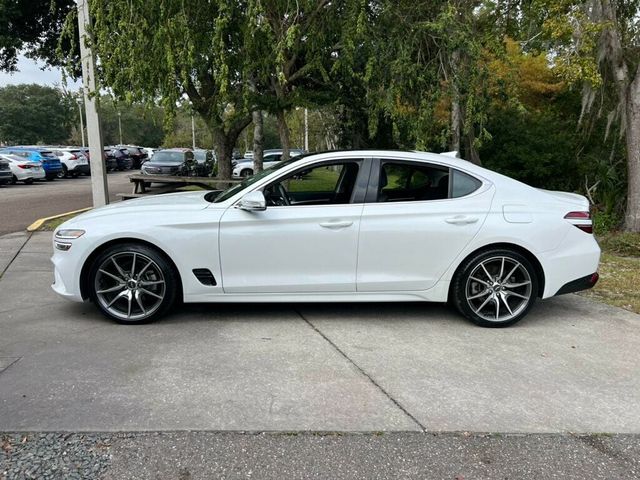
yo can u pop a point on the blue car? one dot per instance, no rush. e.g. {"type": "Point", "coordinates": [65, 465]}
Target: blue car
{"type": "Point", "coordinates": [51, 164]}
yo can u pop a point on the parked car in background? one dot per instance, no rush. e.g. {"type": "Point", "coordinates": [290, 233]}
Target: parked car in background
{"type": "Point", "coordinates": [172, 161]}
{"type": "Point", "coordinates": [137, 154]}
{"type": "Point", "coordinates": [5, 172]}
{"type": "Point", "coordinates": [50, 163]}
{"type": "Point", "coordinates": [74, 161]}
{"type": "Point", "coordinates": [122, 157]}
{"type": "Point", "coordinates": [205, 160]}
{"type": "Point", "coordinates": [245, 168]}
{"type": "Point", "coordinates": [149, 151]}
{"type": "Point", "coordinates": [23, 170]}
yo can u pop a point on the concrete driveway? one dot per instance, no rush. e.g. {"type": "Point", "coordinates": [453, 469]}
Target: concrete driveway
{"type": "Point", "coordinates": [571, 366]}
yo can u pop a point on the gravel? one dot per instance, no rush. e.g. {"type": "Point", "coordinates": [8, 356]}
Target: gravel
{"type": "Point", "coordinates": [335, 456]}
{"type": "Point", "coordinates": [53, 455]}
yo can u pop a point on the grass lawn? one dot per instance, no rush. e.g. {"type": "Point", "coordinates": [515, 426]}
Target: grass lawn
{"type": "Point", "coordinates": [619, 283]}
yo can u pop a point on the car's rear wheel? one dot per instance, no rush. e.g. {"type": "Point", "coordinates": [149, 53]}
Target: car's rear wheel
{"type": "Point", "coordinates": [63, 173]}
{"type": "Point", "coordinates": [28, 181]}
{"type": "Point", "coordinates": [132, 283]}
{"type": "Point", "coordinates": [495, 288]}
{"type": "Point", "coordinates": [14, 180]}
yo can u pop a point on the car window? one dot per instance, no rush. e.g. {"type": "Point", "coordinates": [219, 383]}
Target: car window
{"type": "Point", "coordinates": [47, 154]}
{"type": "Point", "coordinates": [406, 182]}
{"type": "Point", "coordinates": [463, 184]}
{"type": "Point", "coordinates": [327, 184]}
{"type": "Point", "coordinates": [168, 156]}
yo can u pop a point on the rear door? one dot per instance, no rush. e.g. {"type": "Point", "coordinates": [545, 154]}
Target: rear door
{"type": "Point", "coordinates": [417, 219]}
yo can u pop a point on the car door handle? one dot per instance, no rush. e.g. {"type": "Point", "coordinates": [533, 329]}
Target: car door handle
{"type": "Point", "coordinates": [336, 225]}
{"type": "Point", "coordinates": [461, 220]}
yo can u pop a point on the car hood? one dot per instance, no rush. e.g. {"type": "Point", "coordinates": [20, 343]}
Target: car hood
{"type": "Point", "coordinates": [169, 204]}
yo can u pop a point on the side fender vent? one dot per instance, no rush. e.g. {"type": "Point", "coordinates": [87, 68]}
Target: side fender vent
{"type": "Point", "coordinates": [205, 276]}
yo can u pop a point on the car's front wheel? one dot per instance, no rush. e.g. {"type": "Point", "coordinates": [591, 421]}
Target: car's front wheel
{"type": "Point", "coordinates": [132, 283]}
{"type": "Point", "coordinates": [247, 172]}
{"type": "Point", "coordinates": [495, 288]}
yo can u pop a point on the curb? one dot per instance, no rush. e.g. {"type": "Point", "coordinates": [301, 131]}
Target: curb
{"type": "Point", "coordinates": [38, 223]}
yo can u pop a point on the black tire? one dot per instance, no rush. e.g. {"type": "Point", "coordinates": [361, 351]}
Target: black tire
{"type": "Point", "coordinates": [63, 173]}
{"type": "Point", "coordinates": [14, 180]}
{"type": "Point", "coordinates": [247, 172]}
{"type": "Point", "coordinates": [512, 290]}
{"type": "Point", "coordinates": [28, 181]}
{"type": "Point", "coordinates": [161, 271]}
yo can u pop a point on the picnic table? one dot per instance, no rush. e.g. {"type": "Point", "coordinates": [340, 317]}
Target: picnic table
{"type": "Point", "coordinates": [141, 184]}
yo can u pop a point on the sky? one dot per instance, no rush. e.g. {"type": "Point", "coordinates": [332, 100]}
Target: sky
{"type": "Point", "coordinates": [30, 71]}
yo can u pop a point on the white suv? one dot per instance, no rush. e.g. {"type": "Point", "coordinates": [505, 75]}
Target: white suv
{"type": "Point", "coordinates": [245, 168]}
{"type": "Point", "coordinates": [74, 162]}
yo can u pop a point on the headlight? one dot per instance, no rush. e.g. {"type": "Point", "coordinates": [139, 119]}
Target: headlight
{"type": "Point", "coordinates": [69, 234]}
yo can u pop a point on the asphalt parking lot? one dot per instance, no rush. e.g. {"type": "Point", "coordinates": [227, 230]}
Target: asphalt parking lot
{"type": "Point", "coordinates": [570, 366]}
{"type": "Point", "coordinates": [22, 204]}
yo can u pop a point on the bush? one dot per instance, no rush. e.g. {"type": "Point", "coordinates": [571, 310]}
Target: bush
{"type": "Point", "coordinates": [604, 223]}
{"type": "Point", "coordinates": [626, 244]}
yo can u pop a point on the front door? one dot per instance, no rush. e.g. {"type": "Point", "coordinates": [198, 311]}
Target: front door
{"type": "Point", "coordinates": [305, 241]}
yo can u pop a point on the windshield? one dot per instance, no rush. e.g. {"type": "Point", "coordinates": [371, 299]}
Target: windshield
{"type": "Point", "coordinates": [230, 192]}
{"type": "Point", "coordinates": [165, 156]}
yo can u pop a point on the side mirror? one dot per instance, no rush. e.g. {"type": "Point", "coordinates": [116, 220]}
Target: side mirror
{"type": "Point", "coordinates": [253, 202]}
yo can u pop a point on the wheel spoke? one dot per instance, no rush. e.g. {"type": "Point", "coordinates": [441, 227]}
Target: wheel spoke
{"type": "Point", "coordinates": [514, 294]}
{"type": "Point", "coordinates": [144, 290]}
{"type": "Point", "coordinates": [129, 306]}
{"type": "Point", "coordinates": [117, 297]}
{"type": "Point", "coordinates": [483, 304]}
{"type": "Point", "coordinates": [511, 272]}
{"type": "Point", "coordinates": [484, 282]}
{"type": "Point", "coordinates": [144, 269]}
{"type": "Point", "coordinates": [118, 279]}
{"type": "Point", "coordinates": [148, 283]}
{"type": "Point", "coordinates": [133, 265]}
{"type": "Point", "coordinates": [144, 312]}
{"type": "Point", "coordinates": [120, 271]}
{"type": "Point", "coordinates": [486, 272]}
{"type": "Point", "coordinates": [484, 293]}
{"type": "Point", "coordinates": [497, 302]}
{"type": "Point", "coordinates": [112, 289]}
{"type": "Point", "coordinates": [501, 269]}
{"type": "Point", "coordinates": [506, 304]}
{"type": "Point", "coordinates": [516, 285]}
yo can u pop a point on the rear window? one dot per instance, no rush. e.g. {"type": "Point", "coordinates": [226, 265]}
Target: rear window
{"type": "Point", "coordinates": [47, 154]}
{"type": "Point", "coordinates": [463, 184]}
{"type": "Point", "coordinates": [167, 156]}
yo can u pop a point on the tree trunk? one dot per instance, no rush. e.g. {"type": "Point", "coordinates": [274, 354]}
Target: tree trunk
{"type": "Point", "coordinates": [455, 123]}
{"type": "Point", "coordinates": [224, 151]}
{"type": "Point", "coordinates": [456, 111]}
{"type": "Point", "coordinates": [258, 140]}
{"type": "Point", "coordinates": [283, 131]}
{"type": "Point", "coordinates": [632, 111]}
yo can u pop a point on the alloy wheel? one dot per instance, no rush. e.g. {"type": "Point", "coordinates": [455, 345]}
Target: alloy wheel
{"type": "Point", "coordinates": [498, 289]}
{"type": "Point", "coordinates": [130, 286]}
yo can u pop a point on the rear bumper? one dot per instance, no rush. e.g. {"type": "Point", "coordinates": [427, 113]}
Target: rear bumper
{"type": "Point", "coordinates": [579, 284]}
{"type": "Point", "coordinates": [82, 169]}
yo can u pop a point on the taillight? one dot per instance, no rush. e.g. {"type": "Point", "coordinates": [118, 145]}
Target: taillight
{"type": "Point", "coordinates": [581, 220]}
{"type": "Point", "coordinates": [74, 157]}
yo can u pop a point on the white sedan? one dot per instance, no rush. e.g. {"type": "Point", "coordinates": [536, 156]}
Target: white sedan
{"type": "Point", "coordinates": [23, 169]}
{"type": "Point", "coordinates": [359, 226]}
